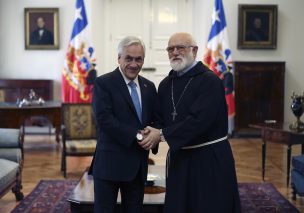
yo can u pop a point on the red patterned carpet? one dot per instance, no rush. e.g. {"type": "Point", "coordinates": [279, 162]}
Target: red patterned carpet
{"type": "Point", "coordinates": [50, 196]}
{"type": "Point", "coordinates": [263, 198]}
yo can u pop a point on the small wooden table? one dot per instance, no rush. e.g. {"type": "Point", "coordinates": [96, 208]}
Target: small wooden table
{"type": "Point", "coordinates": [279, 133]}
{"type": "Point", "coordinates": [13, 116]}
{"type": "Point", "coordinates": [82, 197]}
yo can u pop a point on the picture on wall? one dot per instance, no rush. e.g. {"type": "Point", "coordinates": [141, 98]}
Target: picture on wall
{"type": "Point", "coordinates": [257, 27]}
{"type": "Point", "coordinates": [41, 28]}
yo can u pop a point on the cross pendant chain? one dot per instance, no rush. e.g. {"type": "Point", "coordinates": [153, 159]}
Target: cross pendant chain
{"type": "Point", "coordinates": [174, 113]}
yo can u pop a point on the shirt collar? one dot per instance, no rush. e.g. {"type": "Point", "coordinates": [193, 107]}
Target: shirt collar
{"type": "Point", "coordinates": [180, 73]}
{"type": "Point", "coordinates": [128, 80]}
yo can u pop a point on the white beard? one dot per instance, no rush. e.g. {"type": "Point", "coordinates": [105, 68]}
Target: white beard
{"type": "Point", "coordinates": [185, 62]}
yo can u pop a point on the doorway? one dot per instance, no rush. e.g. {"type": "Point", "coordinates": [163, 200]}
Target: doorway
{"type": "Point", "coordinates": [154, 21]}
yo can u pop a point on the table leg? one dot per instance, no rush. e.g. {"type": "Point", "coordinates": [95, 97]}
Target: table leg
{"type": "Point", "coordinates": [57, 132]}
{"type": "Point", "coordinates": [302, 148]}
{"type": "Point", "coordinates": [263, 159]}
{"type": "Point", "coordinates": [288, 163]}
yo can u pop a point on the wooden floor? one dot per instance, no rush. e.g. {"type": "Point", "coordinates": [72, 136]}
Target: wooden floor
{"type": "Point", "coordinates": [42, 161]}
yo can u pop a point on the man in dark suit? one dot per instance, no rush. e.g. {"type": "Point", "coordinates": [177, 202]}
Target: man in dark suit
{"type": "Point", "coordinates": [124, 104]}
{"type": "Point", "coordinates": [41, 36]}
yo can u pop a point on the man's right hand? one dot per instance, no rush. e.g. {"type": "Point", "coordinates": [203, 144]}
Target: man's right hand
{"type": "Point", "coordinates": [151, 138]}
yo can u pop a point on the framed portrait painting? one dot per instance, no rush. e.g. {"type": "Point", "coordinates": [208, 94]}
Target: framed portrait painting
{"type": "Point", "coordinates": [41, 28]}
{"type": "Point", "coordinates": [257, 26]}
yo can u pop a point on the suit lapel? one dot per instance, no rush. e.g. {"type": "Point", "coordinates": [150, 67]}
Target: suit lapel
{"type": "Point", "coordinates": [144, 98]}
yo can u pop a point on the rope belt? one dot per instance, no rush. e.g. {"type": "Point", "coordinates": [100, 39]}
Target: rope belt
{"type": "Point", "coordinates": [192, 147]}
{"type": "Point", "coordinates": [206, 143]}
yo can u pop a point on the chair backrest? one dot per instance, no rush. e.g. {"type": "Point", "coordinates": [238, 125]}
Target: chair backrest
{"type": "Point", "coordinates": [78, 120]}
{"type": "Point", "coordinates": [1, 95]}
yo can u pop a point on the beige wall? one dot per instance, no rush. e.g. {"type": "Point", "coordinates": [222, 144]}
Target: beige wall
{"type": "Point", "coordinates": [16, 62]}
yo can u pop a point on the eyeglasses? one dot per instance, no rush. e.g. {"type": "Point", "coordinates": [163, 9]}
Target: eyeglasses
{"type": "Point", "coordinates": [179, 48]}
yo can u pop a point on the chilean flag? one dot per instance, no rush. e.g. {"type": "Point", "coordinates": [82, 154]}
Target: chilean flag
{"type": "Point", "coordinates": [79, 61]}
{"type": "Point", "coordinates": [218, 57]}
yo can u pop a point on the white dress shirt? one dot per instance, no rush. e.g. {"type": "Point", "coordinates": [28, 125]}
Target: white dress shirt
{"type": "Point", "coordinates": [129, 88]}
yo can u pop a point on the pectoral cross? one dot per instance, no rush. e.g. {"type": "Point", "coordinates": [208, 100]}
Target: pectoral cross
{"type": "Point", "coordinates": [174, 114]}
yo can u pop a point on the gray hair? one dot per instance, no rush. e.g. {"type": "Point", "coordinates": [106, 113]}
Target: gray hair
{"type": "Point", "coordinates": [128, 41]}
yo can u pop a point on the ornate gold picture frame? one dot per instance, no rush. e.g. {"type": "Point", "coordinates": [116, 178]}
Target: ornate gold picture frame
{"type": "Point", "coordinates": [41, 28]}
{"type": "Point", "coordinates": [257, 27]}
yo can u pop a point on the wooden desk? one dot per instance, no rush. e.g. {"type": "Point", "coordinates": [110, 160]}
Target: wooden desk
{"type": "Point", "coordinates": [82, 197]}
{"type": "Point", "coordinates": [279, 133]}
{"type": "Point", "coordinates": [12, 116]}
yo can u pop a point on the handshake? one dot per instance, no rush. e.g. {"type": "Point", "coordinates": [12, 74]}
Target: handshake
{"type": "Point", "coordinates": [149, 137]}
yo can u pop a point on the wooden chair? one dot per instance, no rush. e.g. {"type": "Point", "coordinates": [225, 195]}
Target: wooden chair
{"type": "Point", "coordinates": [78, 132]}
{"type": "Point", "coordinates": [297, 176]}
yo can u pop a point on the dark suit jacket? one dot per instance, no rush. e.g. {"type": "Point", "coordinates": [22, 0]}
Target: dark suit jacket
{"type": "Point", "coordinates": [118, 157]}
{"type": "Point", "coordinates": [47, 38]}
